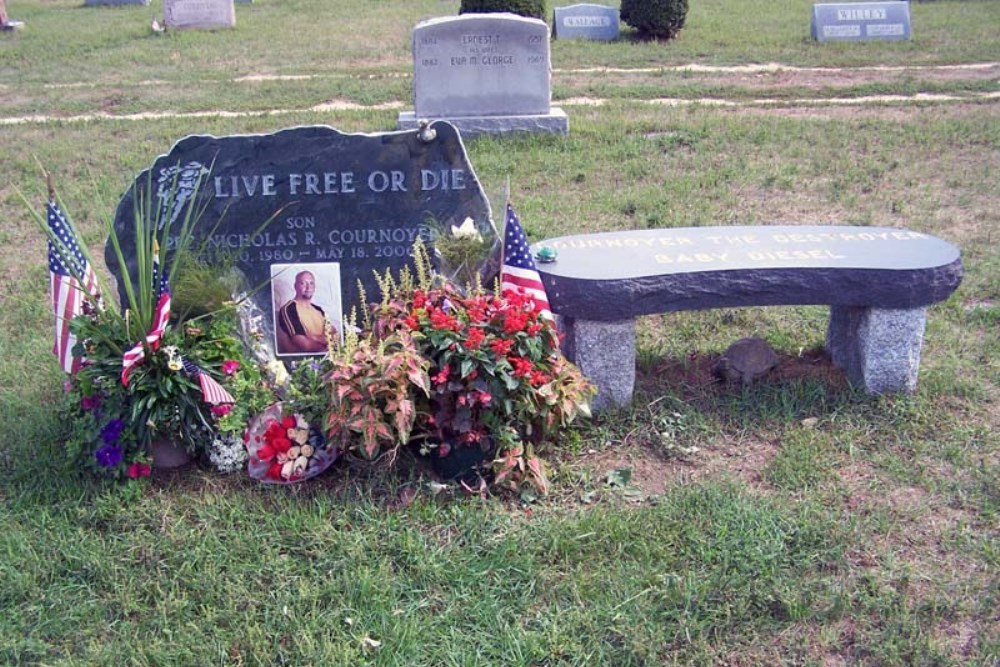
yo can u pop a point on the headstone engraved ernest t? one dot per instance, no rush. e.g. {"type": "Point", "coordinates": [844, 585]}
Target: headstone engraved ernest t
{"type": "Point", "coordinates": [356, 201]}
{"type": "Point", "coordinates": [199, 14]}
{"type": "Point", "coordinates": [860, 21]}
{"type": "Point", "coordinates": [594, 22]}
{"type": "Point", "coordinates": [484, 73]}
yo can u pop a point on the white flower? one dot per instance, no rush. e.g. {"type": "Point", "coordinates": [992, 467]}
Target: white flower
{"type": "Point", "coordinates": [227, 453]}
{"type": "Point", "coordinates": [466, 230]}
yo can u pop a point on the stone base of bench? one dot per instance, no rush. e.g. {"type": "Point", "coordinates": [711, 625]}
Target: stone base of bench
{"type": "Point", "coordinates": [878, 348]}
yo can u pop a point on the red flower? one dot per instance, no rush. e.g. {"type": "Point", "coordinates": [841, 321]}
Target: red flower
{"type": "Point", "coordinates": [281, 445]}
{"type": "Point", "coordinates": [288, 422]}
{"type": "Point", "coordinates": [222, 410]}
{"type": "Point", "coordinates": [474, 338]}
{"type": "Point", "coordinates": [442, 376]}
{"type": "Point", "coordinates": [419, 299]}
{"type": "Point", "coordinates": [412, 322]}
{"type": "Point", "coordinates": [538, 378]}
{"type": "Point", "coordinates": [501, 346]}
{"type": "Point", "coordinates": [265, 452]}
{"type": "Point", "coordinates": [274, 472]}
{"type": "Point", "coordinates": [137, 470]}
{"type": "Point", "coordinates": [230, 366]}
{"type": "Point", "coordinates": [522, 366]}
{"type": "Point", "coordinates": [534, 328]}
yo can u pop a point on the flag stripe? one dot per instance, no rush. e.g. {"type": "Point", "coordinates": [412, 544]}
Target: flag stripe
{"type": "Point", "coordinates": [211, 391]}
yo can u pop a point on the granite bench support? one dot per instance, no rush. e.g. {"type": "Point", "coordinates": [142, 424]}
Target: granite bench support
{"type": "Point", "coordinates": [878, 283]}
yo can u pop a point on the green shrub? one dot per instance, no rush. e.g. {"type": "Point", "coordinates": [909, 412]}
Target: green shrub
{"type": "Point", "coordinates": [531, 8]}
{"type": "Point", "coordinates": [655, 18]}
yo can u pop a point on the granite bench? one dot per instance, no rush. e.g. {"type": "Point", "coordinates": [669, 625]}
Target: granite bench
{"type": "Point", "coordinates": [877, 281]}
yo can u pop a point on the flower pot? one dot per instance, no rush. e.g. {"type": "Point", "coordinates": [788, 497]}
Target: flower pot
{"type": "Point", "coordinates": [464, 463]}
{"type": "Point", "coordinates": [168, 454]}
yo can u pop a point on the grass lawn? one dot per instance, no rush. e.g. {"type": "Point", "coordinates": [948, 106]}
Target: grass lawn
{"type": "Point", "coordinates": [797, 522]}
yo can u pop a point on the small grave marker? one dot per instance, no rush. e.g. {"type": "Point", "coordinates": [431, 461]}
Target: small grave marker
{"type": "Point", "coordinates": [484, 73]}
{"type": "Point", "coordinates": [354, 203]}
{"type": "Point", "coordinates": [586, 21]}
{"type": "Point", "coordinates": [199, 14]}
{"type": "Point", "coordinates": [860, 21]}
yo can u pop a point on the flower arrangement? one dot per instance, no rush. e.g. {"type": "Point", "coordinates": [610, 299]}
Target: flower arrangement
{"type": "Point", "coordinates": [463, 254]}
{"type": "Point", "coordinates": [162, 366]}
{"type": "Point", "coordinates": [285, 448]}
{"type": "Point", "coordinates": [498, 381]}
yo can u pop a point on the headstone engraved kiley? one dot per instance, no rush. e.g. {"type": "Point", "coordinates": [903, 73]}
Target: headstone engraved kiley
{"type": "Point", "coordinates": [199, 14]}
{"type": "Point", "coordinates": [348, 204]}
{"type": "Point", "coordinates": [484, 73]}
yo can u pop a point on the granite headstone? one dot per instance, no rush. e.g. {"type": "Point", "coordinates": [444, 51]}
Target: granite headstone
{"type": "Point", "coordinates": [586, 21]}
{"type": "Point", "coordinates": [484, 73]}
{"type": "Point", "coordinates": [347, 205]}
{"type": "Point", "coordinates": [860, 21]}
{"type": "Point", "coordinates": [199, 14]}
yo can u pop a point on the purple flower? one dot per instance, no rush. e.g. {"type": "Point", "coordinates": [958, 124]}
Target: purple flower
{"type": "Point", "coordinates": [109, 456]}
{"type": "Point", "coordinates": [113, 431]}
{"type": "Point", "coordinates": [91, 402]}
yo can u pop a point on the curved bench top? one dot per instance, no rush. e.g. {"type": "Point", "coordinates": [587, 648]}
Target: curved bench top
{"type": "Point", "coordinates": [620, 275]}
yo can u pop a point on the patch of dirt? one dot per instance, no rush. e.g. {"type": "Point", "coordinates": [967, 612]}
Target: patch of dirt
{"type": "Point", "coordinates": [740, 456]}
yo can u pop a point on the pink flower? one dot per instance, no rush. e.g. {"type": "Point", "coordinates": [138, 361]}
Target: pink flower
{"type": "Point", "coordinates": [222, 410]}
{"type": "Point", "coordinates": [230, 366]}
{"type": "Point", "coordinates": [137, 470]}
{"type": "Point", "coordinates": [441, 377]}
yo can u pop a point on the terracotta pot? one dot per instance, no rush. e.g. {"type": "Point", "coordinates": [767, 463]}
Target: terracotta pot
{"type": "Point", "coordinates": [168, 454]}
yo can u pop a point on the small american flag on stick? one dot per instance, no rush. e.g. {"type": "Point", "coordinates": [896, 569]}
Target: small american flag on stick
{"type": "Point", "coordinates": [213, 392]}
{"type": "Point", "coordinates": [518, 272]}
{"type": "Point", "coordinates": [73, 281]}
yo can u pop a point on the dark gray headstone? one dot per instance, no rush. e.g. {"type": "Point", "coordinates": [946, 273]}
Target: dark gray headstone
{"type": "Point", "coordinates": [199, 14]}
{"type": "Point", "coordinates": [620, 275]}
{"type": "Point", "coordinates": [585, 21]}
{"type": "Point", "coordinates": [483, 67]}
{"type": "Point", "coordinates": [860, 21]}
{"type": "Point", "coordinates": [354, 202]}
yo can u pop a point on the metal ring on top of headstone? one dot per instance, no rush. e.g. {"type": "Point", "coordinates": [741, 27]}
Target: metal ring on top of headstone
{"type": "Point", "coordinates": [426, 133]}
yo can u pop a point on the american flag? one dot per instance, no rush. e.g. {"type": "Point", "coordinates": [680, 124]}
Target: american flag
{"type": "Point", "coordinates": [137, 353]}
{"type": "Point", "coordinates": [211, 390]}
{"type": "Point", "coordinates": [67, 268]}
{"type": "Point", "coordinates": [518, 272]}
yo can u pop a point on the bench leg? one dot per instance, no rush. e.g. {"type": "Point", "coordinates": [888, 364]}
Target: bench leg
{"type": "Point", "coordinates": [878, 348]}
{"type": "Point", "coordinates": [605, 354]}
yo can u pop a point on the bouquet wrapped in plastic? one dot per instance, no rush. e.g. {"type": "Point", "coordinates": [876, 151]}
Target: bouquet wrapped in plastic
{"type": "Point", "coordinates": [284, 448]}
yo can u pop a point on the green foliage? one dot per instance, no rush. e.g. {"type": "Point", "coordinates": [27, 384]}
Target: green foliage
{"type": "Point", "coordinates": [655, 18]}
{"type": "Point", "coordinates": [455, 369]}
{"type": "Point", "coordinates": [530, 8]}
{"type": "Point", "coordinates": [371, 388]}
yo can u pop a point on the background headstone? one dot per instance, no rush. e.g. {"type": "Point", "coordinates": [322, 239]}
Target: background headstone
{"type": "Point", "coordinates": [585, 21]}
{"type": "Point", "coordinates": [860, 21]}
{"type": "Point", "coordinates": [199, 14]}
{"type": "Point", "coordinates": [355, 200]}
{"type": "Point", "coordinates": [484, 73]}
